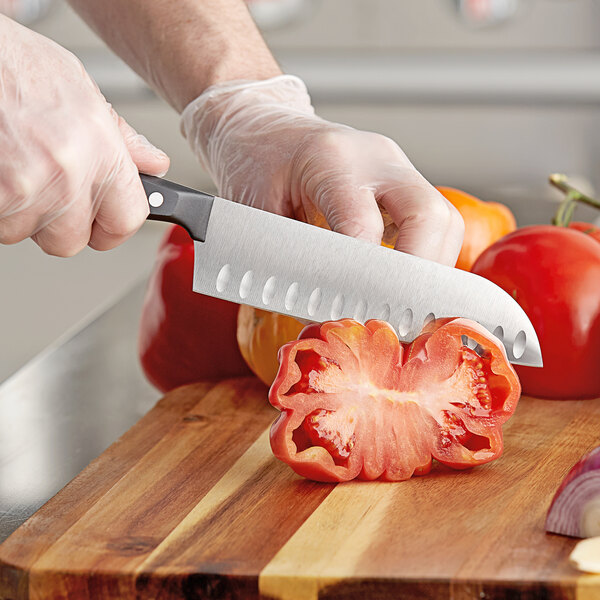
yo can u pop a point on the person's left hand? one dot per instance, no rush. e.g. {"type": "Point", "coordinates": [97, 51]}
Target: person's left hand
{"type": "Point", "coordinates": [264, 146]}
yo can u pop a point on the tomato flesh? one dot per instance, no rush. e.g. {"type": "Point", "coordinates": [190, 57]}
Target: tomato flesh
{"type": "Point", "coordinates": [356, 402]}
{"type": "Point", "coordinates": [336, 435]}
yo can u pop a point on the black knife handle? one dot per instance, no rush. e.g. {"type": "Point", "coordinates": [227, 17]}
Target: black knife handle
{"type": "Point", "coordinates": [177, 204]}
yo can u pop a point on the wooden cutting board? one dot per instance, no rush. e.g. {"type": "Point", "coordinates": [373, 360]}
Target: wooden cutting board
{"type": "Point", "coordinates": [190, 503]}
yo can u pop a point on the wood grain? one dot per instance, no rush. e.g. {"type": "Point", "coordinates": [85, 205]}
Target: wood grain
{"type": "Point", "coordinates": [190, 503]}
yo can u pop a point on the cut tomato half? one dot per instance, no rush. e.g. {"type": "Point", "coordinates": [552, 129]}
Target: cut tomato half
{"type": "Point", "coordinates": [355, 402]}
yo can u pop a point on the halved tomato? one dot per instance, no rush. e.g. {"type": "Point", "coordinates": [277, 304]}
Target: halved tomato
{"type": "Point", "coordinates": [357, 403]}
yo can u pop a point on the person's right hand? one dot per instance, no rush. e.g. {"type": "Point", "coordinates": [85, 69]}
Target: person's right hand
{"type": "Point", "coordinates": [68, 163]}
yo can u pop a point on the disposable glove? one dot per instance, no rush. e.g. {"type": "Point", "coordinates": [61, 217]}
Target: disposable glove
{"type": "Point", "coordinates": [68, 163]}
{"type": "Point", "coordinates": [264, 146]}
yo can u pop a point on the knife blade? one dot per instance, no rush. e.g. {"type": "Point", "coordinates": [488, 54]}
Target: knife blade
{"type": "Point", "coordinates": [250, 256]}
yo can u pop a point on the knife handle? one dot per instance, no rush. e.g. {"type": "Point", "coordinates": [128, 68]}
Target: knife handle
{"type": "Point", "coordinates": [174, 203]}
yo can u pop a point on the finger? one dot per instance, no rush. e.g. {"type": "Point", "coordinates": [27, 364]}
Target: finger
{"type": "Point", "coordinates": [65, 236]}
{"type": "Point", "coordinates": [19, 214]}
{"type": "Point", "coordinates": [428, 225]}
{"type": "Point", "coordinates": [18, 227]}
{"type": "Point", "coordinates": [39, 206]}
{"type": "Point", "coordinates": [66, 231]}
{"type": "Point", "coordinates": [454, 238]}
{"type": "Point", "coordinates": [350, 210]}
{"type": "Point", "coordinates": [148, 158]}
{"type": "Point", "coordinates": [103, 216]}
{"type": "Point", "coordinates": [122, 206]}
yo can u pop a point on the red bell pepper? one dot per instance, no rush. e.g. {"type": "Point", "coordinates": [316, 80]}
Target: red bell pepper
{"type": "Point", "coordinates": [184, 336]}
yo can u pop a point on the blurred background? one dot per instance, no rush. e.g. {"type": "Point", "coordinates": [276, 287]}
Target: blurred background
{"type": "Point", "coordinates": [489, 96]}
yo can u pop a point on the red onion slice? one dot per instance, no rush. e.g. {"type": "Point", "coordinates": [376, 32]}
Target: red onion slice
{"type": "Point", "coordinates": [575, 508]}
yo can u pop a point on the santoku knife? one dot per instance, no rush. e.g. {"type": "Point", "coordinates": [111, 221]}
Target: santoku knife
{"type": "Point", "coordinates": [254, 257]}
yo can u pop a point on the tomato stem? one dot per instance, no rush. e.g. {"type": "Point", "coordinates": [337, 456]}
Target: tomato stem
{"type": "Point", "coordinates": [567, 207]}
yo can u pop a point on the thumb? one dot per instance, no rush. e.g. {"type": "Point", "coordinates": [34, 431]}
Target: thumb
{"type": "Point", "coordinates": [148, 158]}
{"type": "Point", "coordinates": [351, 210]}
{"type": "Point", "coordinates": [428, 225]}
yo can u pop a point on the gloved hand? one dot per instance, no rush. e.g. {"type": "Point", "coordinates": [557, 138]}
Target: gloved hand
{"type": "Point", "coordinates": [264, 146]}
{"type": "Point", "coordinates": [68, 163]}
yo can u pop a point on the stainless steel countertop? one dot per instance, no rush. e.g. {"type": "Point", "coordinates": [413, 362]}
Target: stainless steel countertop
{"type": "Point", "coordinates": [67, 405]}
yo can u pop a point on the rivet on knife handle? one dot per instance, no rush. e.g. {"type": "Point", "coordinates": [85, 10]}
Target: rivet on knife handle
{"type": "Point", "coordinates": [178, 204]}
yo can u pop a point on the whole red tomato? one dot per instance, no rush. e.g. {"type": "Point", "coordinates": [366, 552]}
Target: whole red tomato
{"type": "Point", "coordinates": [184, 336]}
{"type": "Point", "coordinates": [554, 274]}
{"type": "Point", "coordinates": [355, 402]}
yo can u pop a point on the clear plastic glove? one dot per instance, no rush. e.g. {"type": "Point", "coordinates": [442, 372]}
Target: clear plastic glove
{"type": "Point", "coordinates": [263, 146]}
{"type": "Point", "coordinates": [68, 163]}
